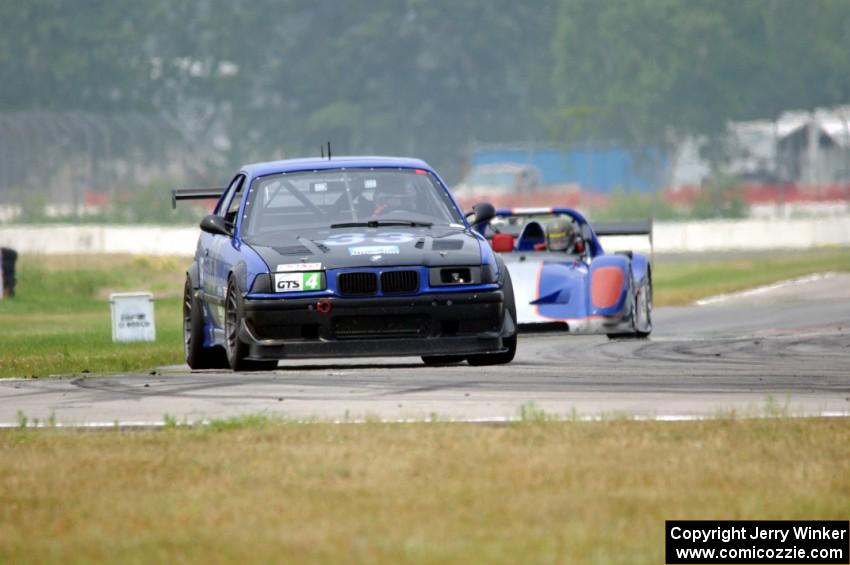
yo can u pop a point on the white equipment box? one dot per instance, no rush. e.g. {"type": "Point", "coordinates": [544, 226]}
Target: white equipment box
{"type": "Point", "coordinates": [132, 316]}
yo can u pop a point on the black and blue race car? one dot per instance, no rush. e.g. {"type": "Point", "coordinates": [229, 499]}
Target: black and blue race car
{"type": "Point", "coordinates": [343, 257]}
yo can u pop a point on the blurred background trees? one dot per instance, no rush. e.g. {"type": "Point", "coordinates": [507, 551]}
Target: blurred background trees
{"type": "Point", "coordinates": [654, 71]}
{"type": "Point", "coordinates": [101, 94]}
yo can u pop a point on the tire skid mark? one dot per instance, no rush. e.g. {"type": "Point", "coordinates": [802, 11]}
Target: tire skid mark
{"type": "Point", "coordinates": [660, 371]}
{"type": "Point", "coordinates": [733, 351]}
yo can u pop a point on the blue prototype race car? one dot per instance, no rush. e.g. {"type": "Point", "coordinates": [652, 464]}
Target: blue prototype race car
{"type": "Point", "coordinates": [565, 281]}
{"type": "Point", "coordinates": [354, 256]}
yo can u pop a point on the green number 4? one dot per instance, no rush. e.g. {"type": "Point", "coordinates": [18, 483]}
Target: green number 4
{"type": "Point", "coordinates": [312, 281]}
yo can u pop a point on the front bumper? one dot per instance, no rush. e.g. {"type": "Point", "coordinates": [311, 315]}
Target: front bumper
{"type": "Point", "coordinates": [459, 323]}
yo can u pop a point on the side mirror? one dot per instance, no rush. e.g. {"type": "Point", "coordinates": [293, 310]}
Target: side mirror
{"type": "Point", "coordinates": [481, 213]}
{"type": "Point", "coordinates": [216, 225]}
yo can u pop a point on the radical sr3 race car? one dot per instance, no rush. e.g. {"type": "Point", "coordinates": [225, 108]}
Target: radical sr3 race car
{"type": "Point", "coordinates": [347, 257]}
{"type": "Point", "coordinates": [564, 280]}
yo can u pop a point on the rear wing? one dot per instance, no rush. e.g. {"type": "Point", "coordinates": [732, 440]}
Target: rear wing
{"type": "Point", "coordinates": [637, 227]}
{"type": "Point", "coordinates": [640, 227]}
{"type": "Point", "coordinates": [195, 194]}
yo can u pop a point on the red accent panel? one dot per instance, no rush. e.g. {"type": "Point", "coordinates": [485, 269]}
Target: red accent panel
{"type": "Point", "coordinates": [502, 243]}
{"type": "Point", "coordinates": [93, 198]}
{"type": "Point", "coordinates": [605, 286]}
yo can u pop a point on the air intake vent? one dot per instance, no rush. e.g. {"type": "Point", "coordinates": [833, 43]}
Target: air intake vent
{"type": "Point", "coordinates": [292, 250]}
{"type": "Point", "coordinates": [399, 281]}
{"type": "Point", "coordinates": [420, 244]}
{"type": "Point", "coordinates": [357, 283]}
{"type": "Point", "coordinates": [447, 245]}
{"type": "Point", "coordinates": [387, 326]}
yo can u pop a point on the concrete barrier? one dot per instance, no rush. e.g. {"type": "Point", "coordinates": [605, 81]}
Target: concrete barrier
{"type": "Point", "coordinates": [63, 239]}
{"type": "Point", "coordinates": [669, 237]}
{"type": "Point", "coordinates": [751, 234]}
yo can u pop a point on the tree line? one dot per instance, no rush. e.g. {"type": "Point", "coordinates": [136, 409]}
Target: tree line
{"type": "Point", "coordinates": [256, 79]}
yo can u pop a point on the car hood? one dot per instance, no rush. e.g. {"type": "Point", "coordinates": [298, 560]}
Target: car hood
{"type": "Point", "coordinates": [369, 247]}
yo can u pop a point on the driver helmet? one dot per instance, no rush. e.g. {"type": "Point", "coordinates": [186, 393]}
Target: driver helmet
{"type": "Point", "coordinates": [394, 196]}
{"type": "Point", "coordinates": [559, 235]}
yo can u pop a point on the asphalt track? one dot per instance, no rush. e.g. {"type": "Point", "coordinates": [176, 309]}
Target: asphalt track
{"type": "Point", "coordinates": [784, 350]}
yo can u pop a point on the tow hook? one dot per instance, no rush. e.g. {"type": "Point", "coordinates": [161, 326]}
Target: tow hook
{"type": "Point", "coordinates": [324, 306]}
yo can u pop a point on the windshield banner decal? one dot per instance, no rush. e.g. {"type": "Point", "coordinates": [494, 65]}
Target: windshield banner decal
{"type": "Point", "coordinates": [374, 250]}
{"type": "Point", "coordinates": [291, 267]}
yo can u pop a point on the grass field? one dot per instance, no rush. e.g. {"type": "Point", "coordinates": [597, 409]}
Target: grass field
{"type": "Point", "coordinates": [678, 283]}
{"type": "Point", "coordinates": [567, 492]}
{"type": "Point", "coordinates": [59, 323]}
{"type": "Point", "coordinates": [259, 490]}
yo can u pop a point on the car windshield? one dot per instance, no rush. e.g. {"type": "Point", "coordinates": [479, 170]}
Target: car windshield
{"type": "Point", "coordinates": [514, 224]}
{"type": "Point", "coordinates": [338, 198]}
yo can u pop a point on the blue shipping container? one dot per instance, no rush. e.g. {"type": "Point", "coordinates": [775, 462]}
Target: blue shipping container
{"type": "Point", "coordinates": [599, 170]}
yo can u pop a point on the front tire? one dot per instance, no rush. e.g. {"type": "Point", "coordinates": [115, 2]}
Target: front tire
{"type": "Point", "coordinates": [197, 356]}
{"type": "Point", "coordinates": [236, 349]}
{"type": "Point", "coordinates": [495, 358]}
{"type": "Point", "coordinates": [643, 316]}
{"type": "Point", "coordinates": [509, 342]}
{"type": "Point", "coordinates": [437, 360]}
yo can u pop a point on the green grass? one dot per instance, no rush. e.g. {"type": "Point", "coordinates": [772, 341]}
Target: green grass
{"type": "Point", "coordinates": [684, 281]}
{"type": "Point", "coordinates": [59, 323]}
{"type": "Point", "coordinates": [535, 492]}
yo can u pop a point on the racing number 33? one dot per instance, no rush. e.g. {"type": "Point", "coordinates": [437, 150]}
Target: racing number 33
{"type": "Point", "coordinates": [295, 282]}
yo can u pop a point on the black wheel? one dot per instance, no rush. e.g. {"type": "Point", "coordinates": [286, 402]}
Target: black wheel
{"type": "Point", "coordinates": [495, 358]}
{"type": "Point", "coordinates": [509, 342]}
{"type": "Point", "coordinates": [443, 359]}
{"type": "Point", "coordinates": [643, 315]}
{"type": "Point", "coordinates": [235, 349]}
{"type": "Point", "coordinates": [197, 356]}
{"type": "Point", "coordinates": [632, 310]}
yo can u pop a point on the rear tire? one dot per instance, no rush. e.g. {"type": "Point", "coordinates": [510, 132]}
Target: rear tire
{"type": "Point", "coordinates": [236, 349]}
{"type": "Point", "coordinates": [197, 356]}
{"type": "Point", "coordinates": [509, 342]}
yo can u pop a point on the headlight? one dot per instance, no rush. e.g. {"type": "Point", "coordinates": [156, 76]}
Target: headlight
{"type": "Point", "coordinates": [455, 276]}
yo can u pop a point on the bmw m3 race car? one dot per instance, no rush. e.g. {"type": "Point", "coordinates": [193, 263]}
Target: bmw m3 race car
{"type": "Point", "coordinates": [564, 280]}
{"type": "Point", "coordinates": [348, 257]}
